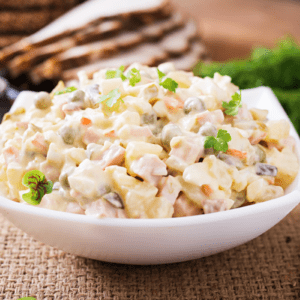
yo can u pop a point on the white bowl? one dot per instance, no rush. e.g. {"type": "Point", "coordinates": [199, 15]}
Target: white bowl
{"type": "Point", "coordinates": [158, 241]}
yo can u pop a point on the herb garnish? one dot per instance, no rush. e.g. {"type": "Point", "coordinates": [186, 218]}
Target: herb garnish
{"type": "Point", "coordinates": [168, 83]}
{"type": "Point", "coordinates": [27, 298]}
{"type": "Point", "coordinates": [134, 76]}
{"type": "Point", "coordinates": [232, 108]}
{"type": "Point", "coordinates": [219, 143]}
{"type": "Point", "coordinates": [38, 185]}
{"type": "Point", "coordinates": [116, 73]}
{"type": "Point", "coordinates": [69, 89]}
{"type": "Point", "coordinates": [111, 99]}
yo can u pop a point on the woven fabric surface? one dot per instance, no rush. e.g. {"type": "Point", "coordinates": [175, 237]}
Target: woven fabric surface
{"type": "Point", "coordinates": [267, 267]}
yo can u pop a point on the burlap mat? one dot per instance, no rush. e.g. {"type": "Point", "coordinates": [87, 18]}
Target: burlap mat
{"type": "Point", "coordinates": [265, 268]}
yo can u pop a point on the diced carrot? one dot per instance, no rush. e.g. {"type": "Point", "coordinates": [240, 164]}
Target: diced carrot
{"type": "Point", "coordinates": [111, 133]}
{"type": "Point", "coordinates": [237, 153]}
{"type": "Point", "coordinates": [86, 121]}
{"type": "Point", "coordinates": [206, 190]}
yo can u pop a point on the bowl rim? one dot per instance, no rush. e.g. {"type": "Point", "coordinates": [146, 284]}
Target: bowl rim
{"type": "Point", "coordinates": [292, 197]}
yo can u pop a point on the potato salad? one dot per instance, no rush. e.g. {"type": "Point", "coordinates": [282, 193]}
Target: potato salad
{"type": "Point", "coordinates": [145, 142]}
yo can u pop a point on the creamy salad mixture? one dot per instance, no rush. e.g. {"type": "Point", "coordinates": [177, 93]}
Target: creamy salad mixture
{"type": "Point", "coordinates": [144, 143]}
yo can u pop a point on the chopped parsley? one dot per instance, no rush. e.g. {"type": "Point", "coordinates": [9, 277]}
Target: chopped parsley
{"type": "Point", "coordinates": [219, 143]}
{"type": "Point", "coordinates": [167, 83]}
{"type": "Point", "coordinates": [38, 185]}
{"type": "Point", "coordinates": [119, 73]}
{"type": "Point", "coordinates": [113, 98]}
{"type": "Point", "coordinates": [69, 89]}
{"type": "Point", "coordinates": [232, 108]}
{"type": "Point", "coordinates": [134, 76]}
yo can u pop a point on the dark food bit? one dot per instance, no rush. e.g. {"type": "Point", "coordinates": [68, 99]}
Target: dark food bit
{"type": "Point", "coordinates": [114, 199]}
{"type": "Point", "coordinates": [68, 135]}
{"type": "Point", "coordinates": [168, 132]}
{"type": "Point", "coordinates": [149, 118]}
{"type": "Point", "coordinates": [193, 104]}
{"type": "Point", "coordinates": [265, 169]}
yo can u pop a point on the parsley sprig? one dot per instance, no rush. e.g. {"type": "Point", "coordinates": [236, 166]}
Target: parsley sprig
{"type": "Point", "coordinates": [116, 73]}
{"type": "Point", "coordinates": [69, 89]}
{"type": "Point", "coordinates": [112, 99]}
{"type": "Point", "coordinates": [133, 75]}
{"type": "Point", "coordinates": [232, 108]}
{"type": "Point", "coordinates": [167, 83]}
{"type": "Point", "coordinates": [219, 143]}
{"type": "Point", "coordinates": [38, 185]}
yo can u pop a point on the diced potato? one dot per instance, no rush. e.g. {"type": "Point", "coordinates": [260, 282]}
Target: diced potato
{"type": "Point", "coordinates": [127, 117]}
{"type": "Point", "coordinates": [139, 207]}
{"type": "Point", "coordinates": [89, 181]}
{"type": "Point", "coordinates": [181, 78]}
{"type": "Point", "coordinates": [287, 164]}
{"type": "Point", "coordinates": [193, 192]}
{"type": "Point", "coordinates": [197, 174]}
{"type": "Point", "coordinates": [166, 67]}
{"type": "Point", "coordinates": [139, 197]}
{"type": "Point", "coordinates": [108, 85]}
{"type": "Point", "coordinates": [15, 173]}
{"type": "Point", "coordinates": [259, 114]}
{"type": "Point", "coordinates": [4, 189]}
{"type": "Point", "coordinates": [135, 150]}
{"type": "Point", "coordinates": [277, 130]}
{"type": "Point", "coordinates": [149, 93]}
{"type": "Point", "coordinates": [220, 171]}
{"type": "Point", "coordinates": [76, 154]}
{"type": "Point", "coordinates": [55, 155]}
{"type": "Point", "coordinates": [260, 191]}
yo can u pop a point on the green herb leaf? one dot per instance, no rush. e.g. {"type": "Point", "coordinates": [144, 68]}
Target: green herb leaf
{"type": "Point", "coordinates": [112, 98]}
{"type": "Point", "coordinates": [232, 108]}
{"type": "Point", "coordinates": [27, 298]}
{"type": "Point", "coordinates": [134, 76]}
{"type": "Point", "coordinates": [168, 83]}
{"type": "Point", "coordinates": [161, 75]}
{"type": "Point", "coordinates": [69, 89]}
{"type": "Point", "coordinates": [219, 143]}
{"type": "Point", "coordinates": [116, 73]}
{"type": "Point", "coordinates": [38, 185]}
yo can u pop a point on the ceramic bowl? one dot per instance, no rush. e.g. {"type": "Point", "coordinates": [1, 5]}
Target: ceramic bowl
{"type": "Point", "coordinates": [159, 241]}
